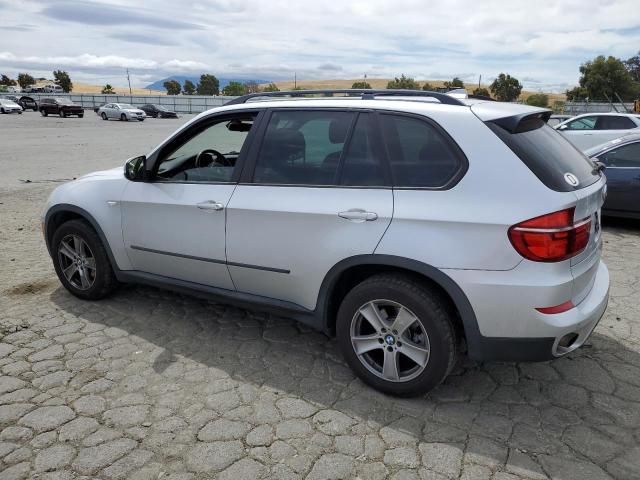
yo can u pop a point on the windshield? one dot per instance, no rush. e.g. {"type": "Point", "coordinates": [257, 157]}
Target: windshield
{"type": "Point", "coordinates": [64, 101]}
{"type": "Point", "coordinates": [161, 108]}
{"type": "Point", "coordinates": [125, 106]}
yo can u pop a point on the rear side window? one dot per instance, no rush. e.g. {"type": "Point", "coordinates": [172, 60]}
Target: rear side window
{"type": "Point", "coordinates": [612, 122]}
{"type": "Point", "coordinates": [420, 155]}
{"type": "Point", "coordinates": [584, 123]}
{"type": "Point", "coordinates": [549, 155]}
{"type": "Point", "coordinates": [361, 164]}
{"type": "Point", "coordinates": [626, 156]}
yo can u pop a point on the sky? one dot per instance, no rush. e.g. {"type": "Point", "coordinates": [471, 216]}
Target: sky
{"type": "Point", "coordinates": [541, 42]}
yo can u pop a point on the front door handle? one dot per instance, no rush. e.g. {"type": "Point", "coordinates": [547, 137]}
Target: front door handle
{"type": "Point", "coordinates": [358, 215]}
{"type": "Point", "coordinates": [210, 205]}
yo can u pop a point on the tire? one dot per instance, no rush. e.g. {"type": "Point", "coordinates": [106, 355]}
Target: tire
{"type": "Point", "coordinates": [141, 119]}
{"type": "Point", "coordinates": [104, 116]}
{"type": "Point", "coordinates": [1, 110]}
{"type": "Point", "coordinates": [428, 323]}
{"type": "Point", "coordinates": [62, 114]}
{"type": "Point", "coordinates": [102, 281]}
{"type": "Point", "coordinates": [124, 118]}
{"type": "Point", "coordinates": [80, 115]}
{"type": "Point", "coordinates": [43, 113]}
{"type": "Point", "coordinates": [19, 113]}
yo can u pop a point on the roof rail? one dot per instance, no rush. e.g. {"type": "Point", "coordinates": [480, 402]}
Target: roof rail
{"type": "Point", "coordinates": [364, 94]}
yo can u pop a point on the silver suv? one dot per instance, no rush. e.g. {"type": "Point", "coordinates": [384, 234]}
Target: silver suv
{"type": "Point", "coordinates": [412, 226]}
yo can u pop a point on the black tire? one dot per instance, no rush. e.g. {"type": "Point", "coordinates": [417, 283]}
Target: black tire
{"type": "Point", "coordinates": [104, 280]}
{"type": "Point", "coordinates": [62, 114]}
{"type": "Point", "coordinates": [104, 116]}
{"type": "Point", "coordinates": [43, 113]}
{"type": "Point", "coordinates": [431, 311]}
{"type": "Point", "coordinates": [123, 118]}
{"type": "Point", "coordinates": [80, 115]}
{"type": "Point", "coordinates": [1, 110]}
{"type": "Point", "coordinates": [141, 119]}
{"type": "Point", "coordinates": [19, 113]}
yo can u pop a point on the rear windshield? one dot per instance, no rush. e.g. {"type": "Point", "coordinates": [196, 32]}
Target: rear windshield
{"type": "Point", "coordinates": [548, 155]}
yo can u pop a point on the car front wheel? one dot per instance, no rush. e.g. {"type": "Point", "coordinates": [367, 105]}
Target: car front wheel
{"type": "Point", "coordinates": [123, 117]}
{"type": "Point", "coordinates": [62, 114]}
{"type": "Point", "coordinates": [81, 262]}
{"type": "Point", "coordinates": [43, 113]}
{"type": "Point", "coordinates": [103, 115]}
{"type": "Point", "coordinates": [397, 334]}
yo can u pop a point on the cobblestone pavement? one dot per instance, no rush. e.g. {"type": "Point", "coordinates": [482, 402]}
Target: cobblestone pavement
{"type": "Point", "coordinates": [153, 385]}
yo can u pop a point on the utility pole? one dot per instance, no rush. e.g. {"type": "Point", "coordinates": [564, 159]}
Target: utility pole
{"type": "Point", "coordinates": [295, 80]}
{"type": "Point", "coordinates": [129, 81]}
{"type": "Point", "coordinates": [479, 80]}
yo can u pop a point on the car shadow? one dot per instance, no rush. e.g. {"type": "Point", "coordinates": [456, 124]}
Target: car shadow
{"type": "Point", "coordinates": [537, 419]}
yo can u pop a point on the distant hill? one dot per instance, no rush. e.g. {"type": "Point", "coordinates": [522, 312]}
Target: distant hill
{"type": "Point", "coordinates": [158, 85]}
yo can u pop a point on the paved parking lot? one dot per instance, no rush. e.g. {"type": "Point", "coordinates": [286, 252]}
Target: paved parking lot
{"type": "Point", "coordinates": [152, 385]}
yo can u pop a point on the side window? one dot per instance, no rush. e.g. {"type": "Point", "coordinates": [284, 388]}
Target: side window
{"type": "Point", "coordinates": [361, 165]}
{"type": "Point", "coordinates": [626, 156]}
{"type": "Point", "coordinates": [419, 155]}
{"type": "Point", "coordinates": [210, 154]}
{"type": "Point", "coordinates": [302, 147]}
{"type": "Point", "coordinates": [613, 122]}
{"type": "Point", "coordinates": [584, 123]}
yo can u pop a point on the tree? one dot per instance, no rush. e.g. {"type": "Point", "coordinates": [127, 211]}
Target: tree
{"type": "Point", "coordinates": [24, 80]}
{"type": "Point", "coordinates": [108, 90]}
{"type": "Point", "coordinates": [428, 87]}
{"type": "Point", "coordinates": [455, 83]}
{"type": "Point", "coordinates": [538, 100]}
{"type": "Point", "coordinates": [9, 82]}
{"type": "Point", "coordinates": [62, 78]}
{"type": "Point", "coordinates": [234, 89]}
{"type": "Point", "coordinates": [603, 78]}
{"type": "Point", "coordinates": [506, 88]}
{"type": "Point", "coordinates": [481, 91]}
{"type": "Point", "coordinates": [361, 85]}
{"type": "Point", "coordinates": [188, 88]}
{"type": "Point", "coordinates": [633, 66]}
{"type": "Point", "coordinates": [173, 87]}
{"type": "Point", "coordinates": [251, 86]}
{"type": "Point", "coordinates": [208, 85]}
{"type": "Point", "coordinates": [403, 83]}
{"type": "Point", "coordinates": [272, 87]}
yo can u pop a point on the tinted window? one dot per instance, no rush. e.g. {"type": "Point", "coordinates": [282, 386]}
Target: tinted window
{"type": "Point", "coordinates": [419, 155]}
{"type": "Point", "coordinates": [625, 156]}
{"type": "Point", "coordinates": [361, 164]}
{"type": "Point", "coordinates": [302, 147]}
{"type": "Point", "coordinates": [209, 155]}
{"type": "Point", "coordinates": [585, 123]}
{"type": "Point", "coordinates": [548, 155]}
{"type": "Point", "coordinates": [612, 122]}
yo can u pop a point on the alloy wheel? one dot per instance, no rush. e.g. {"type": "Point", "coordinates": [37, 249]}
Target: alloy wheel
{"type": "Point", "coordinates": [77, 262]}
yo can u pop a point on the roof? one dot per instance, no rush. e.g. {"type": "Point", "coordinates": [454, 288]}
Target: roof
{"type": "Point", "coordinates": [616, 142]}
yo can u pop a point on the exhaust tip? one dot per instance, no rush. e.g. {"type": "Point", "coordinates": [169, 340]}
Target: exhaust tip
{"type": "Point", "coordinates": [568, 340]}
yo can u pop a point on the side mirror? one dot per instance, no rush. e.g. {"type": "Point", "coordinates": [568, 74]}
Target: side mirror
{"type": "Point", "coordinates": [134, 168]}
{"type": "Point", "coordinates": [562, 127]}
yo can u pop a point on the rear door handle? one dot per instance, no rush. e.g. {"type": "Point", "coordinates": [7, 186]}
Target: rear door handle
{"type": "Point", "coordinates": [358, 215]}
{"type": "Point", "coordinates": [210, 205]}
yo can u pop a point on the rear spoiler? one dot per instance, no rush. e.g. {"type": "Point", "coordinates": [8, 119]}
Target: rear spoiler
{"type": "Point", "coordinates": [513, 117]}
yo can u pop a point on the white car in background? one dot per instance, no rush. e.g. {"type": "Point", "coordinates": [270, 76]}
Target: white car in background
{"type": "Point", "coordinates": [121, 111]}
{"type": "Point", "coordinates": [9, 106]}
{"type": "Point", "coordinates": [591, 129]}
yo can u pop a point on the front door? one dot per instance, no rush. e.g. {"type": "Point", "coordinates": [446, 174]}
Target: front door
{"type": "Point", "coordinates": [174, 225]}
{"type": "Point", "coordinates": [623, 178]}
{"type": "Point", "coordinates": [317, 194]}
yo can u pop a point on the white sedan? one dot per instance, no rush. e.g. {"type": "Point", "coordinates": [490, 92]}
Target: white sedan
{"type": "Point", "coordinates": [121, 111]}
{"type": "Point", "coordinates": [590, 129]}
{"type": "Point", "coordinates": [9, 106]}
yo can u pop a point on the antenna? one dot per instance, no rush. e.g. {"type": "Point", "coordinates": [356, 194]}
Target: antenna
{"type": "Point", "coordinates": [129, 81]}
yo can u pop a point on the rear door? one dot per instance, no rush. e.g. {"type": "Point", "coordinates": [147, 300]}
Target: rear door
{"type": "Point", "coordinates": [317, 192]}
{"type": "Point", "coordinates": [581, 131]}
{"type": "Point", "coordinates": [609, 127]}
{"type": "Point", "coordinates": [623, 178]}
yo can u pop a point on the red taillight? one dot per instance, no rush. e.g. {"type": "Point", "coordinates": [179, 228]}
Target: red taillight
{"type": "Point", "coordinates": [563, 307]}
{"type": "Point", "coordinates": [551, 238]}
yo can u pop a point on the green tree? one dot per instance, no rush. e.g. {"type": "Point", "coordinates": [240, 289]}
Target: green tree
{"type": "Point", "coordinates": [506, 88]}
{"type": "Point", "coordinates": [272, 87]}
{"type": "Point", "coordinates": [577, 94]}
{"type": "Point", "coordinates": [108, 90]}
{"type": "Point", "coordinates": [455, 83]}
{"type": "Point", "coordinates": [188, 88]}
{"type": "Point", "coordinates": [428, 87]}
{"type": "Point", "coordinates": [173, 87]}
{"type": "Point", "coordinates": [234, 89]}
{"type": "Point", "coordinates": [361, 85]}
{"type": "Point", "coordinates": [604, 77]}
{"type": "Point", "coordinates": [62, 78]}
{"type": "Point", "coordinates": [483, 92]}
{"type": "Point", "coordinates": [633, 66]}
{"type": "Point", "coordinates": [403, 83]}
{"type": "Point", "coordinates": [24, 80]}
{"type": "Point", "coordinates": [208, 85]}
{"type": "Point", "coordinates": [10, 82]}
{"type": "Point", "coordinates": [538, 100]}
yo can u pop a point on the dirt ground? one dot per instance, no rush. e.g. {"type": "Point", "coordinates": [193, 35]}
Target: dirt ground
{"type": "Point", "coordinates": [152, 385]}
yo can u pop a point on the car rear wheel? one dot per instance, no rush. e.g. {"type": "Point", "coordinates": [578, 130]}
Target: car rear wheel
{"type": "Point", "coordinates": [81, 262]}
{"type": "Point", "coordinates": [80, 115]}
{"type": "Point", "coordinates": [123, 117]}
{"type": "Point", "coordinates": [43, 113]}
{"type": "Point", "coordinates": [397, 334]}
{"type": "Point", "coordinates": [103, 115]}
{"type": "Point", "coordinates": [62, 114]}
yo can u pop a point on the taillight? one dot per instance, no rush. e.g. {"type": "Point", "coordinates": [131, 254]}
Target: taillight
{"type": "Point", "coordinates": [551, 238]}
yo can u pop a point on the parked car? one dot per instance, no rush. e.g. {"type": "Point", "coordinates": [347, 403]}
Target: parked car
{"type": "Point", "coordinates": [158, 111]}
{"type": "Point", "coordinates": [366, 218]}
{"type": "Point", "coordinates": [621, 160]}
{"type": "Point", "coordinates": [121, 111]}
{"type": "Point", "coordinates": [28, 103]}
{"type": "Point", "coordinates": [591, 129]}
{"type": "Point", "coordinates": [557, 119]}
{"type": "Point", "coordinates": [52, 89]}
{"type": "Point", "coordinates": [60, 106]}
{"type": "Point", "coordinates": [9, 106]}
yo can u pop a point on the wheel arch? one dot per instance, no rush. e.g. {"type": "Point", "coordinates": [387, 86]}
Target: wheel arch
{"type": "Point", "coordinates": [347, 273]}
{"type": "Point", "coordinates": [61, 213]}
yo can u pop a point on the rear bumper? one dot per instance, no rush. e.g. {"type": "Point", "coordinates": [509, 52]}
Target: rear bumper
{"type": "Point", "coordinates": [514, 341]}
